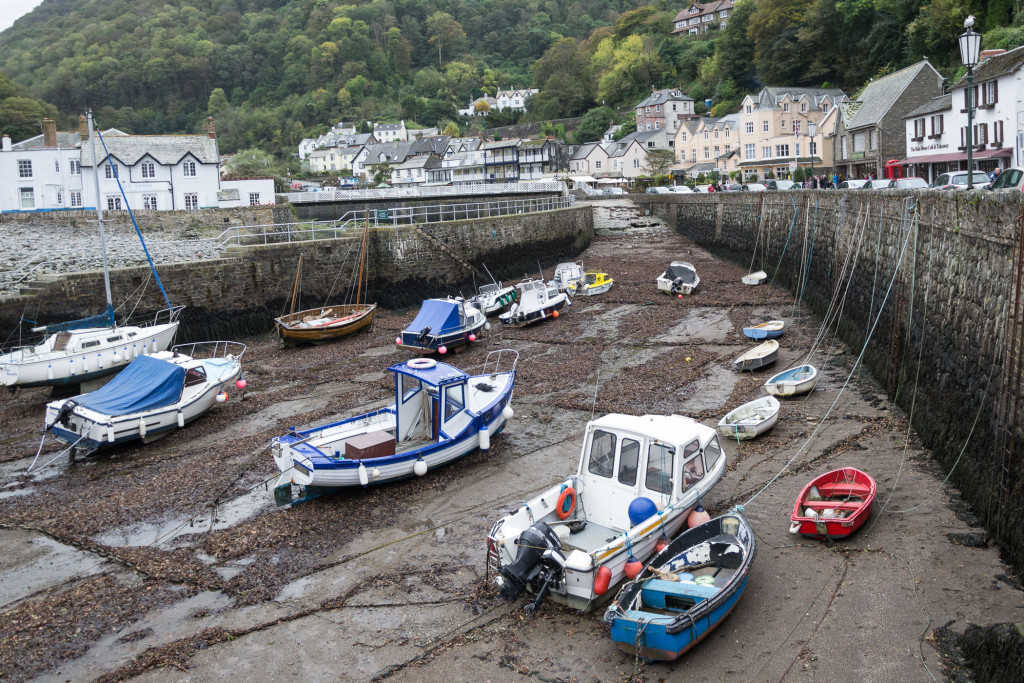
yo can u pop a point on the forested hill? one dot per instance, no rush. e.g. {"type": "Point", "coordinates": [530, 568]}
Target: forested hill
{"type": "Point", "coordinates": [271, 71]}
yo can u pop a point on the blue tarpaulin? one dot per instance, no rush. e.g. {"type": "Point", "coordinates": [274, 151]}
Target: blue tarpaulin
{"type": "Point", "coordinates": [440, 315]}
{"type": "Point", "coordinates": [145, 384]}
{"type": "Point", "coordinates": [105, 319]}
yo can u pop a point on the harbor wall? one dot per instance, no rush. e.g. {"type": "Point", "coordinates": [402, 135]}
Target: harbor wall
{"type": "Point", "coordinates": [930, 277]}
{"type": "Point", "coordinates": [155, 221]}
{"type": "Point", "coordinates": [238, 296]}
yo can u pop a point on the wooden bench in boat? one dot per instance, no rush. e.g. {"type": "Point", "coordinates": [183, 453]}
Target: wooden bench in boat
{"type": "Point", "coordinates": [844, 490]}
{"type": "Point", "coordinates": [657, 592]}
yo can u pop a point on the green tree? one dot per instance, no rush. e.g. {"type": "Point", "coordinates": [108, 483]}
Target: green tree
{"type": "Point", "coordinates": [381, 172]}
{"type": "Point", "coordinates": [659, 161]}
{"type": "Point", "coordinates": [451, 129]}
{"type": "Point", "coordinates": [595, 122]}
{"type": "Point", "coordinates": [218, 102]}
{"type": "Point", "coordinates": [252, 162]}
{"type": "Point", "coordinates": [446, 33]}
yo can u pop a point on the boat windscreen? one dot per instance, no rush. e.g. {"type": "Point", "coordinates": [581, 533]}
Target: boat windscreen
{"type": "Point", "coordinates": [684, 272]}
{"type": "Point", "coordinates": [146, 383]}
{"type": "Point", "coordinates": [488, 289]}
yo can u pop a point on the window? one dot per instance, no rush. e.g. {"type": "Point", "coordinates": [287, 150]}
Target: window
{"type": "Point", "coordinates": [60, 198]}
{"type": "Point", "coordinates": [705, 135]}
{"type": "Point", "coordinates": [997, 133]}
{"type": "Point", "coordinates": [717, 152]}
{"type": "Point", "coordinates": [785, 107]}
{"type": "Point", "coordinates": [454, 401]}
{"type": "Point", "coordinates": [918, 129]}
{"type": "Point", "coordinates": [148, 169]}
{"type": "Point", "coordinates": [748, 110]}
{"type": "Point", "coordinates": [693, 465]}
{"type": "Point", "coordinates": [657, 125]}
{"type": "Point", "coordinates": [149, 202]}
{"type": "Point", "coordinates": [254, 197]}
{"type": "Point", "coordinates": [189, 169]}
{"type": "Point", "coordinates": [712, 452]}
{"type": "Point", "coordinates": [796, 149]}
{"type": "Point", "coordinates": [76, 167]}
{"type": "Point", "coordinates": [782, 150]}
{"type": "Point", "coordinates": [766, 152]}
{"type": "Point", "coordinates": [28, 198]}
{"type": "Point", "coordinates": [707, 153]}
{"type": "Point", "coordinates": [111, 170]}
{"type": "Point", "coordinates": [660, 459]}
{"type": "Point", "coordinates": [56, 165]}
{"type": "Point", "coordinates": [191, 201]}
{"type": "Point", "coordinates": [597, 164]}
{"type": "Point", "coordinates": [803, 107]}
{"type": "Point", "coordinates": [716, 133]}
{"type": "Point", "coordinates": [648, 125]}
{"type": "Point", "coordinates": [988, 94]}
{"type": "Point", "coordinates": [76, 198]}
{"type": "Point", "coordinates": [636, 163]}
{"type": "Point", "coordinates": [764, 126]}
{"type": "Point", "coordinates": [113, 203]}
{"type": "Point", "coordinates": [938, 126]}
{"type": "Point", "coordinates": [981, 134]}
{"type": "Point", "coordinates": [628, 459]}
{"type": "Point", "coordinates": [602, 453]}
{"type": "Point", "coordinates": [24, 168]}
{"type": "Point", "coordinates": [750, 127]}
{"type": "Point", "coordinates": [682, 138]}
{"type": "Point", "coordinates": [657, 107]}
{"type": "Point", "coordinates": [782, 123]}
{"type": "Point", "coordinates": [812, 148]}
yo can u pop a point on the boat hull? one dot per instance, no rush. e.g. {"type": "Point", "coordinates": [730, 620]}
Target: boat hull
{"type": "Point", "coordinates": [524, 319]}
{"type": "Point", "coordinates": [793, 382]}
{"type": "Point", "coordinates": [771, 330]}
{"type": "Point", "coordinates": [846, 491]}
{"type": "Point", "coordinates": [755, 279]}
{"type": "Point", "coordinates": [350, 319]}
{"type": "Point", "coordinates": [20, 369]}
{"type": "Point", "coordinates": [742, 423]}
{"type": "Point", "coordinates": [758, 357]}
{"type": "Point", "coordinates": [450, 341]}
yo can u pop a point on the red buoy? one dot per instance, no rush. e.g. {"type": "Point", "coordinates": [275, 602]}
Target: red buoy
{"type": "Point", "coordinates": [633, 567]}
{"type": "Point", "coordinates": [602, 580]}
{"type": "Point", "coordinates": [661, 544]}
{"type": "Point", "coordinates": [554, 314]}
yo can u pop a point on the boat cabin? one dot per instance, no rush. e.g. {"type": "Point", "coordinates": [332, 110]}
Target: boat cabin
{"type": "Point", "coordinates": [567, 273]}
{"type": "Point", "coordinates": [654, 456]}
{"type": "Point", "coordinates": [535, 294]}
{"type": "Point", "coordinates": [430, 403]}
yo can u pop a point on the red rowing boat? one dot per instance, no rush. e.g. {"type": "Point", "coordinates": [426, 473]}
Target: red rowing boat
{"type": "Point", "coordinates": [834, 505]}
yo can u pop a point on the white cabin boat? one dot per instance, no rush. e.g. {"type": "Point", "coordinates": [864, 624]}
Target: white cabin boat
{"type": "Point", "coordinates": [152, 396]}
{"type": "Point", "coordinates": [679, 278]}
{"type": "Point", "coordinates": [750, 419]}
{"type": "Point", "coordinates": [535, 301]}
{"type": "Point", "coordinates": [650, 470]}
{"type": "Point", "coordinates": [493, 297]}
{"type": "Point", "coordinates": [566, 274]}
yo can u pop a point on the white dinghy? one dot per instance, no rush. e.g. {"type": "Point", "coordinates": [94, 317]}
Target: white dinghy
{"type": "Point", "coordinates": [750, 419]}
{"type": "Point", "coordinates": [637, 482]}
{"type": "Point", "coordinates": [755, 279]}
{"type": "Point", "coordinates": [152, 396]}
{"type": "Point", "coordinates": [679, 278]}
{"type": "Point", "coordinates": [798, 380]}
{"type": "Point", "coordinates": [759, 356]}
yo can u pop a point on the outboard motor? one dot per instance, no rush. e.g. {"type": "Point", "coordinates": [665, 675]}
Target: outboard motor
{"type": "Point", "coordinates": [539, 557]}
{"type": "Point", "coordinates": [423, 334]}
{"type": "Point", "coordinates": [64, 414]}
{"type": "Point", "coordinates": [677, 285]}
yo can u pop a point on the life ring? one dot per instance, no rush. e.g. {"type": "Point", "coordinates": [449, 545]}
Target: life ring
{"type": "Point", "coordinates": [421, 363]}
{"type": "Point", "coordinates": [560, 509]}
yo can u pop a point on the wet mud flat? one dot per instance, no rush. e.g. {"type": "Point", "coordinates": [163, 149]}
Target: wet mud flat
{"type": "Point", "coordinates": [170, 561]}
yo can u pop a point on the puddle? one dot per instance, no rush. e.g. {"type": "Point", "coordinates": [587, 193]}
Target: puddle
{"type": "Point", "coordinates": [13, 473]}
{"type": "Point", "coordinates": [227, 515]}
{"type": "Point", "coordinates": [702, 324]}
{"type": "Point", "coordinates": [230, 570]}
{"type": "Point", "coordinates": [14, 493]}
{"type": "Point", "coordinates": [31, 563]}
{"type": "Point", "coordinates": [295, 589]}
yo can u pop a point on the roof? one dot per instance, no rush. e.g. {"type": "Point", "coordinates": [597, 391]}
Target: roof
{"type": "Point", "coordinates": [436, 375]}
{"type": "Point", "coordinates": [771, 97]}
{"type": "Point", "coordinates": [389, 126]}
{"type": "Point", "coordinates": [584, 150]}
{"type": "Point", "coordinates": [705, 8]}
{"type": "Point", "coordinates": [940, 103]}
{"type": "Point", "coordinates": [395, 152]}
{"type": "Point", "coordinates": [421, 161]}
{"type": "Point", "coordinates": [63, 140]}
{"type": "Point", "coordinates": [673, 429]}
{"type": "Point", "coordinates": [663, 96]}
{"type": "Point", "coordinates": [431, 144]}
{"type": "Point", "coordinates": [880, 94]}
{"type": "Point", "coordinates": [999, 65]}
{"type": "Point", "coordinates": [166, 149]}
{"type": "Point", "coordinates": [640, 136]}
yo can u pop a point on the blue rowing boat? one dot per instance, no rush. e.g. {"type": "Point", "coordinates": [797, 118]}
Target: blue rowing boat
{"type": "Point", "coordinates": [685, 591]}
{"type": "Point", "coordinates": [770, 330]}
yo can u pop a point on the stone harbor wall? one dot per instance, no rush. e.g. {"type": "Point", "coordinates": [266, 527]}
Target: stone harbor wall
{"type": "Point", "coordinates": [239, 294]}
{"type": "Point", "coordinates": [930, 277]}
{"type": "Point", "coordinates": [173, 222]}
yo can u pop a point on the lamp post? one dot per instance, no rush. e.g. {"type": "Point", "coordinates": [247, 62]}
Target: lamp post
{"type": "Point", "coordinates": [812, 128]}
{"type": "Point", "coordinates": [970, 46]}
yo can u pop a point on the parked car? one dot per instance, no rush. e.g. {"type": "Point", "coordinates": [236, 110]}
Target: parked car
{"type": "Point", "coordinates": [1010, 179]}
{"type": "Point", "coordinates": [957, 180]}
{"type": "Point", "coordinates": [854, 184]}
{"type": "Point", "coordinates": [613, 190]}
{"type": "Point", "coordinates": [911, 183]}
{"type": "Point", "coordinates": [732, 187]}
{"type": "Point", "coordinates": [880, 184]}
{"type": "Point", "coordinates": [773, 185]}
{"type": "Point", "coordinates": [755, 187]}
{"type": "Point", "coordinates": [680, 189]}
{"type": "Point", "coordinates": [658, 190]}
{"type": "Point", "coordinates": [702, 188]}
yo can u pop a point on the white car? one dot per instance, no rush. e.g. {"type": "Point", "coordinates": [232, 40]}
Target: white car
{"type": "Point", "coordinates": [854, 184]}
{"type": "Point", "coordinates": [658, 190]}
{"type": "Point", "coordinates": [680, 189]}
{"type": "Point", "coordinates": [755, 187]}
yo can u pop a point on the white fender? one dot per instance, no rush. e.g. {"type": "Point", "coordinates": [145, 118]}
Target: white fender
{"type": "Point", "coordinates": [110, 432]}
{"type": "Point", "coordinates": [507, 412]}
{"type": "Point", "coordinates": [363, 478]}
{"type": "Point", "coordinates": [420, 467]}
{"type": "Point", "coordinates": [375, 473]}
{"type": "Point", "coordinates": [181, 419]}
{"type": "Point", "coordinates": [142, 427]}
{"type": "Point", "coordinates": [485, 438]}
{"type": "Point", "coordinates": [49, 372]}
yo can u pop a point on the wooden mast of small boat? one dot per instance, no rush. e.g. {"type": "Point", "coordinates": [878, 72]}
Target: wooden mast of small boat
{"type": "Point", "coordinates": [362, 258]}
{"type": "Point", "coordinates": [99, 215]}
{"type": "Point", "coordinates": [295, 287]}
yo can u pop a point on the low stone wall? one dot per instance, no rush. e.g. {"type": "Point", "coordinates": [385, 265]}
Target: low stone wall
{"type": "Point", "coordinates": [240, 294]}
{"type": "Point", "coordinates": [940, 340]}
{"type": "Point", "coordinates": [155, 221]}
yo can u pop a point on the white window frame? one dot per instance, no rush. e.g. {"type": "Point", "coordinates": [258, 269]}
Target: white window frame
{"type": "Point", "coordinates": [76, 167]}
{"type": "Point", "coordinates": [149, 202]}
{"type": "Point", "coordinates": [27, 197]}
{"type": "Point", "coordinates": [24, 168]}
{"type": "Point", "coordinates": [188, 169]}
{"type": "Point", "coordinates": [191, 201]}
{"type": "Point", "coordinates": [113, 202]}
{"type": "Point", "coordinates": [148, 169]}
{"type": "Point", "coordinates": [76, 198]}
{"type": "Point", "coordinates": [764, 126]}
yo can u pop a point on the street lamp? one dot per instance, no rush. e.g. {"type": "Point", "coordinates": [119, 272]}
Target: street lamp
{"type": "Point", "coordinates": [812, 128]}
{"type": "Point", "coordinates": [970, 46]}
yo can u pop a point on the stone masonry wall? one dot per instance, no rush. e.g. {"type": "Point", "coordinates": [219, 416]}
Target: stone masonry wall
{"type": "Point", "coordinates": [945, 314]}
{"type": "Point", "coordinates": [157, 221]}
{"type": "Point", "coordinates": [240, 294]}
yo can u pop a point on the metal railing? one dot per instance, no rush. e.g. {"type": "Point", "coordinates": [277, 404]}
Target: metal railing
{"type": "Point", "coordinates": [421, 192]}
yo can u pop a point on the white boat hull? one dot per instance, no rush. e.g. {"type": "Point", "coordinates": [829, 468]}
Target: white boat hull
{"type": "Point", "coordinates": [750, 419]}
{"type": "Point", "coordinates": [26, 368]}
{"type": "Point", "coordinates": [754, 279]}
{"type": "Point", "coordinates": [793, 387]}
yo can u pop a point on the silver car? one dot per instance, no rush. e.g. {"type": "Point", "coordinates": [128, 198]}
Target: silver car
{"type": "Point", "coordinates": [957, 180]}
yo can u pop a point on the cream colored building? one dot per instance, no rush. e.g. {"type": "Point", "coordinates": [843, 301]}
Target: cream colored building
{"type": "Point", "coordinates": [707, 144]}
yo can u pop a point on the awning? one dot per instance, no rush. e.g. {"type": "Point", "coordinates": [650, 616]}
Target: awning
{"type": "Point", "coordinates": [583, 179]}
{"type": "Point", "coordinates": [607, 181]}
{"type": "Point", "coordinates": [956, 156]}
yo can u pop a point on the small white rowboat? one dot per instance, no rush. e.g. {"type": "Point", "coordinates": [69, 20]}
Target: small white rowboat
{"type": "Point", "coordinates": [759, 356]}
{"type": "Point", "coordinates": [755, 279]}
{"type": "Point", "coordinates": [750, 419]}
{"type": "Point", "coordinates": [798, 380]}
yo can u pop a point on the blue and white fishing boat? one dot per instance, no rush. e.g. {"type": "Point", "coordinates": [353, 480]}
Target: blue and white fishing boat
{"type": "Point", "coordinates": [152, 396]}
{"type": "Point", "coordinates": [792, 382]}
{"type": "Point", "coordinates": [770, 330]}
{"type": "Point", "coordinates": [685, 591]}
{"type": "Point", "coordinates": [440, 414]}
{"type": "Point", "coordinates": [443, 325]}
{"type": "Point", "coordinates": [536, 301]}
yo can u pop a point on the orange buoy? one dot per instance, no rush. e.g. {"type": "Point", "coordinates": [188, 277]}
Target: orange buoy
{"type": "Point", "coordinates": [602, 580]}
{"type": "Point", "coordinates": [633, 567]}
{"type": "Point", "coordinates": [567, 494]}
{"type": "Point", "coordinates": [698, 516]}
{"type": "Point", "coordinates": [554, 314]}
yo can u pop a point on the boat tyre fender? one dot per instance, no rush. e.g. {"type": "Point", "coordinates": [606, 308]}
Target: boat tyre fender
{"type": "Point", "coordinates": [566, 503]}
{"type": "Point", "coordinates": [421, 363]}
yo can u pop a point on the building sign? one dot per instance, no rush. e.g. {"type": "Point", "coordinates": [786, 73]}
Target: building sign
{"type": "Point", "coordinates": [935, 145]}
{"type": "Point", "coordinates": [857, 155]}
{"type": "Point", "coordinates": [382, 214]}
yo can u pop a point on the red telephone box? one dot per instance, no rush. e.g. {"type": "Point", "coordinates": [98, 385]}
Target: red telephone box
{"type": "Point", "coordinates": [893, 169]}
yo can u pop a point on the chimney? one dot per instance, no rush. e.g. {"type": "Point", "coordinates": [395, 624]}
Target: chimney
{"type": "Point", "coordinates": [83, 127]}
{"type": "Point", "coordinates": [49, 133]}
{"type": "Point", "coordinates": [7, 143]}
{"type": "Point", "coordinates": [211, 128]}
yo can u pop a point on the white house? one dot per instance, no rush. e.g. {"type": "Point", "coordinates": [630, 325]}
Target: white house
{"type": "Point", "coordinates": [390, 132]}
{"type": "Point", "coordinates": [41, 173]}
{"type": "Point", "coordinates": [514, 99]}
{"type": "Point", "coordinates": [589, 159]}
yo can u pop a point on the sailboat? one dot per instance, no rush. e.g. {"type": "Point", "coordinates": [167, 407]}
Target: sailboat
{"type": "Point", "coordinates": [326, 323]}
{"type": "Point", "coordinates": [80, 350]}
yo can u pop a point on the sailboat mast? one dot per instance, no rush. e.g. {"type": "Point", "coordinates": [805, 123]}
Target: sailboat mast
{"type": "Point", "coordinates": [362, 258]}
{"type": "Point", "coordinates": [99, 215]}
{"type": "Point", "coordinates": [295, 287]}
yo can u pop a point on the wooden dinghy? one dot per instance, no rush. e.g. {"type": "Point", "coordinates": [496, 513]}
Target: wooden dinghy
{"type": "Point", "coordinates": [754, 279]}
{"type": "Point", "coordinates": [834, 505]}
{"type": "Point", "coordinates": [750, 419]}
{"type": "Point", "coordinates": [759, 356]}
{"type": "Point", "coordinates": [770, 330]}
{"type": "Point", "coordinates": [686, 590]}
{"type": "Point", "coordinates": [798, 380]}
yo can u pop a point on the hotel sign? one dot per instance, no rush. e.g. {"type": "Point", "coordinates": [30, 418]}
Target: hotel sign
{"type": "Point", "coordinates": [934, 145]}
